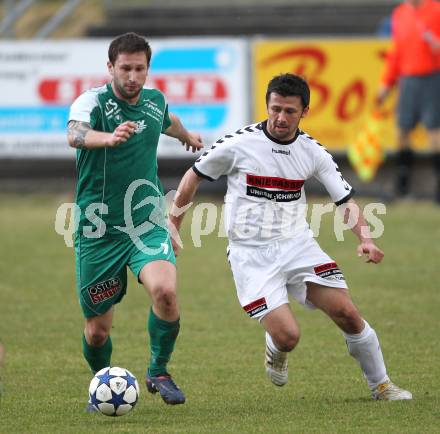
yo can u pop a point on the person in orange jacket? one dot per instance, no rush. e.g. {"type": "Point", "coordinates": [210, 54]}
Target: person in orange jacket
{"type": "Point", "coordinates": [414, 63]}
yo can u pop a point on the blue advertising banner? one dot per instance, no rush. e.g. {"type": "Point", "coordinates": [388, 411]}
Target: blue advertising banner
{"type": "Point", "coordinates": [205, 84]}
{"type": "Point", "coordinates": [203, 80]}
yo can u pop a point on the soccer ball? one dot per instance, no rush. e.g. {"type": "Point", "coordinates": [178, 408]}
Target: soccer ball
{"type": "Point", "coordinates": [114, 391]}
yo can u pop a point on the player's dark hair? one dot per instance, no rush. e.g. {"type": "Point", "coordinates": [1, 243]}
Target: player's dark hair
{"type": "Point", "coordinates": [128, 43]}
{"type": "Point", "coordinates": [289, 85]}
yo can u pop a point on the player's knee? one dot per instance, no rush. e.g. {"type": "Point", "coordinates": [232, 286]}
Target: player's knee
{"type": "Point", "coordinates": [96, 335]}
{"type": "Point", "coordinates": [164, 295]}
{"type": "Point", "coordinates": [286, 341]}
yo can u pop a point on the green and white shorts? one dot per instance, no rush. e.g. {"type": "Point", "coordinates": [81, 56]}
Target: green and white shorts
{"type": "Point", "coordinates": [101, 266]}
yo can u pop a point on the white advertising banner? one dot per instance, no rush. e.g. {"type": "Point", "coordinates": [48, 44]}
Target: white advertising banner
{"type": "Point", "coordinates": [204, 80]}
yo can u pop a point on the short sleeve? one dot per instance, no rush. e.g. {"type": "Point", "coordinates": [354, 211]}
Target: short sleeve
{"type": "Point", "coordinates": [217, 161]}
{"type": "Point", "coordinates": [328, 173]}
{"type": "Point", "coordinates": [85, 109]}
{"type": "Point", "coordinates": [166, 119]}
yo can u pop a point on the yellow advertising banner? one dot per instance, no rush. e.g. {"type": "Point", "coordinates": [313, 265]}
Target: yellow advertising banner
{"type": "Point", "coordinates": [343, 75]}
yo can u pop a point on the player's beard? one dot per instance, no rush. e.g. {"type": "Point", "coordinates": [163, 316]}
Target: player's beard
{"type": "Point", "coordinates": [126, 93]}
{"type": "Point", "coordinates": [284, 134]}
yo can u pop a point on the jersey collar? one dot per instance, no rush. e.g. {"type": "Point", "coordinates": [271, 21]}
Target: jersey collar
{"type": "Point", "coordinates": [273, 139]}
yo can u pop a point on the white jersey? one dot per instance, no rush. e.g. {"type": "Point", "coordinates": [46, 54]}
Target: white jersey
{"type": "Point", "coordinates": [265, 200]}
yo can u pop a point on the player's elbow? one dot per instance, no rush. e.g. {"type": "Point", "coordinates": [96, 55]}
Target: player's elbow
{"type": "Point", "coordinates": [70, 140]}
{"type": "Point", "coordinates": [192, 177]}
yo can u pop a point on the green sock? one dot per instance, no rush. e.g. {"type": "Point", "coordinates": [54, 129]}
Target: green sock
{"type": "Point", "coordinates": [163, 335]}
{"type": "Point", "coordinates": [97, 357]}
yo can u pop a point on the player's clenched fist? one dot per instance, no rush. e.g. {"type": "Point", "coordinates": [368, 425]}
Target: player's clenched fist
{"type": "Point", "coordinates": [122, 133]}
{"type": "Point", "coordinates": [374, 254]}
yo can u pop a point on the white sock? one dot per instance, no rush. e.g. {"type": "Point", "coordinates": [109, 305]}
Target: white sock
{"type": "Point", "coordinates": [271, 345]}
{"type": "Point", "coordinates": [365, 348]}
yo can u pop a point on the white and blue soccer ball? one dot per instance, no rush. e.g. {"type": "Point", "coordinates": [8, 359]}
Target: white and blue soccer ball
{"type": "Point", "coordinates": [114, 391]}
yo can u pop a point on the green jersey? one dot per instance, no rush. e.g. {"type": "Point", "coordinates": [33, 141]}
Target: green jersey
{"type": "Point", "coordinates": [113, 181]}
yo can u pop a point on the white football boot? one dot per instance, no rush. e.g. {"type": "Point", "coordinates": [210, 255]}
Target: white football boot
{"type": "Point", "coordinates": [276, 366]}
{"type": "Point", "coordinates": [388, 391]}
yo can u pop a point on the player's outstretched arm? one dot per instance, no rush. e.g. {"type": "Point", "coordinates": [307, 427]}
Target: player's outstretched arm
{"type": "Point", "coordinates": [353, 215]}
{"type": "Point", "coordinates": [182, 199]}
{"type": "Point", "coordinates": [81, 135]}
{"type": "Point", "coordinates": [187, 138]}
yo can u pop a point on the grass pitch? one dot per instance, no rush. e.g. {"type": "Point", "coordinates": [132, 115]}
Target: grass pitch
{"type": "Point", "coordinates": [218, 360]}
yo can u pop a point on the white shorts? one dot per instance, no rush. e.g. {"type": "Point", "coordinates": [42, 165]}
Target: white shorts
{"type": "Point", "coordinates": [264, 276]}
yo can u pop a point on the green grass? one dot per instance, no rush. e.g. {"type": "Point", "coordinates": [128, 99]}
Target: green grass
{"type": "Point", "coordinates": [218, 361]}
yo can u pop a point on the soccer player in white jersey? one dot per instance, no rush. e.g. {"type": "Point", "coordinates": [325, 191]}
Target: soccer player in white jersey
{"type": "Point", "coordinates": [271, 250]}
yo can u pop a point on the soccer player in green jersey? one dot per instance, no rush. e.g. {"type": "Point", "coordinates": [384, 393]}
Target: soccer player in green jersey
{"type": "Point", "coordinates": [115, 129]}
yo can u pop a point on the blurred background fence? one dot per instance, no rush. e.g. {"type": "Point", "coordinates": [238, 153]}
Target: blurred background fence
{"type": "Point", "coordinates": [212, 60]}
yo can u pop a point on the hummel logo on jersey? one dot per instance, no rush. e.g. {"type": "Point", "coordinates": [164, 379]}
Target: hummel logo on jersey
{"type": "Point", "coordinates": [140, 126]}
{"type": "Point", "coordinates": [280, 151]}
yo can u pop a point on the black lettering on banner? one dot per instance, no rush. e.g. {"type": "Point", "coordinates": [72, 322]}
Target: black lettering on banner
{"type": "Point", "coordinates": [277, 196]}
